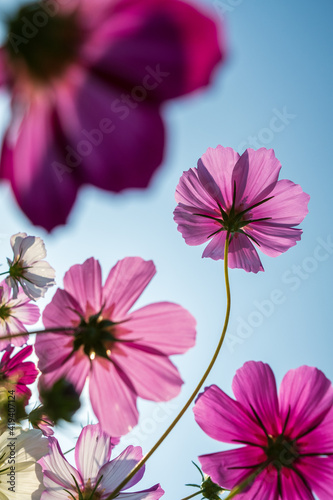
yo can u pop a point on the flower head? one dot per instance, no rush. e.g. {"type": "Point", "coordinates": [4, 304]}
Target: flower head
{"type": "Point", "coordinates": [121, 351]}
{"type": "Point", "coordinates": [239, 197]}
{"type": "Point", "coordinates": [95, 476]}
{"type": "Point", "coordinates": [28, 267]}
{"type": "Point", "coordinates": [87, 81]}
{"type": "Point", "coordinates": [16, 374]}
{"type": "Point", "coordinates": [25, 448]}
{"type": "Point", "coordinates": [14, 314]}
{"type": "Point", "coordinates": [288, 437]}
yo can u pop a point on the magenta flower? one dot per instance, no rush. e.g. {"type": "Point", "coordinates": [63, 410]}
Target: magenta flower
{"type": "Point", "coordinates": [14, 314]}
{"type": "Point", "coordinates": [16, 374]}
{"type": "Point", "coordinates": [289, 436]}
{"type": "Point", "coordinates": [240, 196]}
{"type": "Point", "coordinates": [95, 475]}
{"type": "Point", "coordinates": [122, 352]}
{"type": "Point", "coordinates": [87, 81]}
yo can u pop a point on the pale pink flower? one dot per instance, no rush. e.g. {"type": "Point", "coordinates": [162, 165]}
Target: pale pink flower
{"type": "Point", "coordinates": [28, 268]}
{"type": "Point", "coordinates": [239, 195]}
{"type": "Point", "coordinates": [87, 79]}
{"type": "Point", "coordinates": [95, 476]}
{"type": "Point", "coordinates": [290, 435]}
{"type": "Point", "coordinates": [14, 314]}
{"type": "Point", "coordinates": [16, 374]}
{"type": "Point", "coordinates": [125, 354]}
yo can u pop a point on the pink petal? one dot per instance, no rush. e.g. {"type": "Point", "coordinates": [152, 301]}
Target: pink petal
{"type": "Point", "coordinates": [38, 146]}
{"type": "Point", "coordinates": [92, 451]}
{"type": "Point", "coordinates": [117, 412]}
{"type": "Point", "coordinates": [125, 283]}
{"type": "Point", "coordinates": [26, 313]}
{"type": "Point", "coordinates": [230, 468]}
{"type": "Point", "coordinates": [84, 283]}
{"type": "Point", "coordinates": [254, 387]}
{"type": "Point", "coordinates": [318, 473]}
{"type": "Point", "coordinates": [154, 493]}
{"type": "Point", "coordinates": [264, 487]}
{"type": "Point", "coordinates": [18, 358]}
{"type": "Point", "coordinates": [216, 173]}
{"type": "Point", "coordinates": [294, 486]}
{"type": "Point", "coordinates": [256, 174]}
{"type": "Point", "coordinates": [288, 205]}
{"type": "Point", "coordinates": [142, 366]}
{"type": "Point", "coordinates": [243, 255]}
{"type": "Point", "coordinates": [57, 471]}
{"type": "Point", "coordinates": [273, 239]}
{"type": "Point", "coordinates": [4, 73]}
{"type": "Point", "coordinates": [12, 325]}
{"type": "Point", "coordinates": [192, 193]}
{"type": "Point", "coordinates": [164, 326]}
{"type": "Point", "coordinates": [320, 440]}
{"type": "Point", "coordinates": [306, 395]}
{"type": "Point", "coordinates": [225, 419]}
{"type": "Point", "coordinates": [115, 471]}
{"type": "Point", "coordinates": [215, 248]}
{"type": "Point", "coordinates": [194, 229]}
{"type": "Point", "coordinates": [62, 312]}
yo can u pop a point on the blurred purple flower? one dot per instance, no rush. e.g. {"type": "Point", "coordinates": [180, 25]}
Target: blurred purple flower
{"type": "Point", "coordinates": [87, 81]}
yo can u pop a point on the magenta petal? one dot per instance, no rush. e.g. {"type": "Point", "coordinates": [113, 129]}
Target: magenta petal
{"type": "Point", "coordinates": [265, 487]}
{"type": "Point", "coordinates": [320, 440]}
{"type": "Point", "coordinates": [195, 230]}
{"type": "Point", "coordinates": [215, 248]}
{"type": "Point", "coordinates": [99, 444]}
{"type": "Point", "coordinates": [243, 255]}
{"type": "Point", "coordinates": [84, 283]}
{"type": "Point", "coordinates": [225, 419]}
{"type": "Point", "coordinates": [38, 146]}
{"type": "Point", "coordinates": [294, 487]}
{"type": "Point", "coordinates": [274, 239]}
{"type": "Point", "coordinates": [254, 387]}
{"type": "Point", "coordinates": [125, 283]}
{"type": "Point", "coordinates": [153, 493]}
{"type": "Point", "coordinates": [318, 473]}
{"type": "Point", "coordinates": [230, 468]}
{"type": "Point", "coordinates": [134, 360]}
{"type": "Point", "coordinates": [164, 326]}
{"type": "Point", "coordinates": [61, 312]}
{"type": "Point", "coordinates": [117, 413]}
{"type": "Point", "coordinates": [115, 471]}
{"type": "Point", "coordinates": [306, 396]}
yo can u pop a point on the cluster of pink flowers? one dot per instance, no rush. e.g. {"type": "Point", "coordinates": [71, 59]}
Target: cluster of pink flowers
{"type": "Point", "coordinates": [104, 69]}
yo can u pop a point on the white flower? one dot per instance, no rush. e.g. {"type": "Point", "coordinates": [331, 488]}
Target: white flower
{"type": "Point", "coordinates": [20, 474]}
{"type": "Point", "coordinates": [28, 267]}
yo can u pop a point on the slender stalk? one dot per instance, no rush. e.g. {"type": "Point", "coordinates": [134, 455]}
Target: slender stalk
{"type": "Point", "coordinates": [193, 495]}
{"type": "Point", "coordinates": [238, 489]}
{"type": "Point", "coordinates": [196, 390]}
{"type": "Point", "coordinates": [61, 330]}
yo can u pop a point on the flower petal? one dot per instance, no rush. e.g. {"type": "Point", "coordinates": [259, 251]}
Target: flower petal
{"type": "Point", "coordinates": [92, 451]}
{"type": "Point", "coordinates": [115, 471]}
{"type": "Point", "coordinates": [243, 255]}
{"type": "Point", "coordinates": [320, 440]}
{"type": "Point", "coordinates": [306, 396]}
{"type": "Point", "coordinates": [112, 397]}
{"type": "Point", "coordinates": [273, 239]}
{"type": "Point", "coordinates": [164, 326]}
{"type": "Point", "coordinates": [318, 473]}
{"type": "Point", "coordinates": [84, 283]}
{"type": "Point", "coordinates": [294, 486]}
{"type": "Point", "coordinates": [125, 283]}
{"type": "Point", "coordinates": [215, 248]}
{"type": "Point", "coordinates": [225, 419]}
{"type": "Point", "coordinates": [254, 387]}
{"type": "Point", "coordinates": [154, 493]}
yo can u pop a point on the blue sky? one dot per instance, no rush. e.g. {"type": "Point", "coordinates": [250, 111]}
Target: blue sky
{"type": "Point", "coordinates": [274, 91]}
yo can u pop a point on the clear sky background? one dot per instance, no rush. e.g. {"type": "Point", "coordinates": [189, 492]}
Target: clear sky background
{"type": "Point", "coordinates": [279, 63]}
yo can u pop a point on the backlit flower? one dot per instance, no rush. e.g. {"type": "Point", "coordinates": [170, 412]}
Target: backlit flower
{"type": "Point", "coordinates": [14, 314]}
{"type": "Point", "coordinates": [20, 474]}
{"type": "Point", "coordinates": [28, 268]}
{"type": "Point", "coordinates": [16, 374]}
{"type": "Point", "coordinates": [87, 81]}
{"type": "Point", "coordinates": [95, 476]}
{"type": "Point", "coordinates": [125, 354]}
{"type": "Point", "coordinates": [289, 436]}
{"type": "Point", "coordinates": [240, 196]}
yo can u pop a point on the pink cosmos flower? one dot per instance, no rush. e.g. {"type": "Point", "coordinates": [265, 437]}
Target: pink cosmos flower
{"type": "Point", "coordinates": [87, 81]}
{"type": "Point", "coordinates": [14, 314]}
{"type": "Point", "coordinates": [16, 374]}
{"type": "Point", "coordinates": [28, 268]}
{"type": "Point", "coordinates": [125, 354]}
{"type": "Point", "coordinates": [95, 475]}
{"type": "Point", "coordinates": [240, 196]}
{"type": "Point", "coordinates": [289, 435]}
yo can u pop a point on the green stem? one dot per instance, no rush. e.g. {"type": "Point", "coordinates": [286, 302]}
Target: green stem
{"type": "Point", "coordinates": [61, 330]}
{"type": "Point", "coordinates": [6, 272]}
{"type": "Point", "coordinates": [197, 389]}
{"type": "Point", "coordinates": [193, 495]}
{"type": "Point", "coordinates": [238, 489]}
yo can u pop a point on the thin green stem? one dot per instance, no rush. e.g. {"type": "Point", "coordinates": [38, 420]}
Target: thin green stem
{"type": "Point", "coordinates": [61, 330]}
{"type": "Point", "coordinates": [193, 495]}
{"type": "Point", "coordinates": [196, 390]}
{"type": "Point", "coordinates": [238, 489]}
{"type": "Point", "coordinates": [6, 272]}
